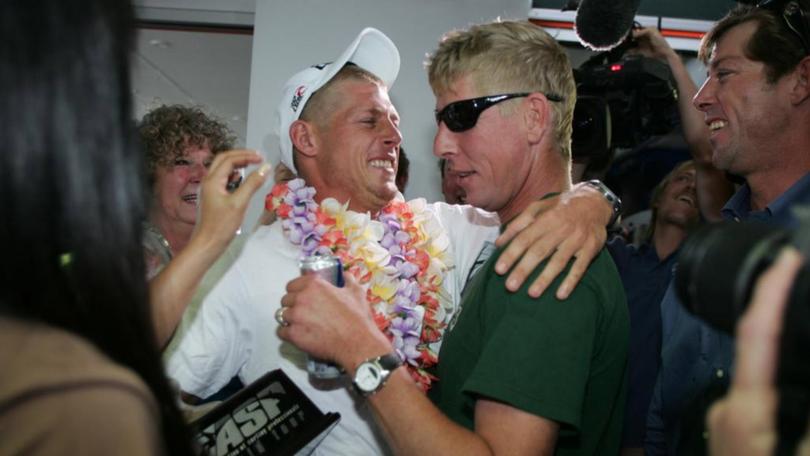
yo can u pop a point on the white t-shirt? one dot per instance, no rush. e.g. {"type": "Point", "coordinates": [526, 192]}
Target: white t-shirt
{"type": "Point", "coordinates": [234, 332]}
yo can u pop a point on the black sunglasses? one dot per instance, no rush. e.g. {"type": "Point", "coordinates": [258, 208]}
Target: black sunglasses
{"type": "Point", "coordinates": [462, 115]}
{"type": "Point", "coordinates": [792, 16]}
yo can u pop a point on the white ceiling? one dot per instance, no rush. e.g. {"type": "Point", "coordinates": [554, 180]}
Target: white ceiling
{"type": "Point", "coordinates": [185, 55]}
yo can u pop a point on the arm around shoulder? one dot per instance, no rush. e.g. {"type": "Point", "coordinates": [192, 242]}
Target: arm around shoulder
{"type": "Point", "coordinates": [570, 225]}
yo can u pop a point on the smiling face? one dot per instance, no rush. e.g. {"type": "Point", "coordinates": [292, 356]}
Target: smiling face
{"type": "Point", "coordinates": [177, 186]}
{"type": "Point", "coordinates": [677, 203]}
{"type": "Point", "coordinates": [359, 146]}
{"type": "Point", "coordinates": [743, 111]}
{"type": "Point", "coordinates": [491, 160]}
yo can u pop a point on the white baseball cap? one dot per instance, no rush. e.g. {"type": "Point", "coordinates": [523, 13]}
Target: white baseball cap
{"type": "Point", "coordinates": [371, 51]}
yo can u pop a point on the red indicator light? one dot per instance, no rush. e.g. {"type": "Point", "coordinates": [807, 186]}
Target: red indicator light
{"type": "Point", "coordinates": [616, 67]}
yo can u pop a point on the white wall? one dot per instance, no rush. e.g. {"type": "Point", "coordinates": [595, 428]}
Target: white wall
{"type": "Point", "coordinates": [204, 68]}
{"type": "Point", "coordinates": [291, 35]}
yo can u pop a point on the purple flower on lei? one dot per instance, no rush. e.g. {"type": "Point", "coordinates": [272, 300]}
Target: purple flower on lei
{"type": "Point", "coordinates": [302, 226]}
{"type": "Point", "coordinates": [406, 338]}
{"type": "Point", "coordinates": [407, 326]}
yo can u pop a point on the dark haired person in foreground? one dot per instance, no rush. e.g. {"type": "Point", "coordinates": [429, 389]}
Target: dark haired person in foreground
{"type": "Point", "coordinates": [81, 373]}
{"type": "Point", "coordinates": [77, 350]}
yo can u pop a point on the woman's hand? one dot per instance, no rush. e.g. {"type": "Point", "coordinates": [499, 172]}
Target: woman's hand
{"type": "Point", "coordinates": [222, 211]}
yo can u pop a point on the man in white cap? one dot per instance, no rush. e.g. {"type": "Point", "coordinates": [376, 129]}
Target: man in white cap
{"type": "Point", "coordinates": [339, 133]}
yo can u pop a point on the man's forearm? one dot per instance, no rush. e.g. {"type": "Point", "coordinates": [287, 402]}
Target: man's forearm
{"type": "Point", "coordinates": [413, 425]}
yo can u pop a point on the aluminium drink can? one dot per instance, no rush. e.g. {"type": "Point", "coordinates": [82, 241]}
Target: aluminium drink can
{"type": "Point", "coordinates": [331, 270]}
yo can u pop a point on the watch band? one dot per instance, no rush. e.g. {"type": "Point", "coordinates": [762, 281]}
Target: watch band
{"type": "Point", "coordinates": [611, 197]}
{"type": "Point", "coordinates": [389, 361]}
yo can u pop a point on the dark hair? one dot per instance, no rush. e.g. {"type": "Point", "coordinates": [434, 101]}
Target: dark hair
{"type": "Point", "coordinates": [320, 105]}
{"type": "Point", "coordinates": [71, 187]}
{"type": "Point", "coordinates": [167, 130]}
{"type": "Point", "coordinates": [773, 43]}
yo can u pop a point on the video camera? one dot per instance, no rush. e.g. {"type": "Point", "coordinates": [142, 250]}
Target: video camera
{"type": "Point", "coordinates": [718, 267]}
{"type": "Point", "coordinates": [622, 99]}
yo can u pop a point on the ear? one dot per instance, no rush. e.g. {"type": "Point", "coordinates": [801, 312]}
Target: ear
{"type": "Point", "coordinates": [304, 136]}
{"type": "Point", "coordinates": [537, 117]}
{"type": "Point", "coordinates": [801, 87]}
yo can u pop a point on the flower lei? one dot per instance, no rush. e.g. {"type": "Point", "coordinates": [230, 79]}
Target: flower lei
{"type": "Point", "coordinates": [400, 258]}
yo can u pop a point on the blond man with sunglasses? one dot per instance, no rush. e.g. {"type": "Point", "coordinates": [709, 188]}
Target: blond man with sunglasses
{"type": "Point", "coordinates": [516, 375]}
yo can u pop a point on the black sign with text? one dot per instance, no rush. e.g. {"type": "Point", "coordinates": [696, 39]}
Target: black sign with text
{"type": "Point", "coordinates": [269, 416]}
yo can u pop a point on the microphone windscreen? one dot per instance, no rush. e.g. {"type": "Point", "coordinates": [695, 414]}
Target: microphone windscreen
{"type": "Point", "coordinates": [603, 24]}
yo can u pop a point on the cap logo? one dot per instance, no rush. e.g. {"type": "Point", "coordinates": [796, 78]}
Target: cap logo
{"type": "Point", "coordinates": [297, 96]}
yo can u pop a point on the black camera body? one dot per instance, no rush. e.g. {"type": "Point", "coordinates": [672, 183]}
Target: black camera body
{"type": "Point", "coordinates": [718, 267]}
{"type": "Point", "coordinates": [622, 100]}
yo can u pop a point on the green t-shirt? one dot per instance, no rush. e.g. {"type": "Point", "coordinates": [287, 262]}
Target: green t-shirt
{"type": "Point", "coordinates": [562, 360]}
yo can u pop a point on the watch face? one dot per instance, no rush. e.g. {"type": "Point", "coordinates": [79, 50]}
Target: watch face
{"type": "Point", "coordinates": [367, 377]}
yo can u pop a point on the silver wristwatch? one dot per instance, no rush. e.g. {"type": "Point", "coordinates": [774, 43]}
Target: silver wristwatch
{"type": "Point", "coordinates": [372, 373]}
{"type": "Point", "coordinates": [611, 197]}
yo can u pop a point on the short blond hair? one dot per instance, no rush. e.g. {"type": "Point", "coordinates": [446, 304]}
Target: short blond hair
{"type": "Point", "coordinates": [320, 105]}
{"type": "Point", "coordinates": [509, 57]}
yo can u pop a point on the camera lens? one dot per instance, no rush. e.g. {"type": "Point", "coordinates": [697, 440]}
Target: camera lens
{"type": "Point", "coordinates": [718, 266]}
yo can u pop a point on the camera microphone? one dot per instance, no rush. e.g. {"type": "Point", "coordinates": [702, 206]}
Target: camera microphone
{"type": "Point", "coordinates": [602, 25]}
